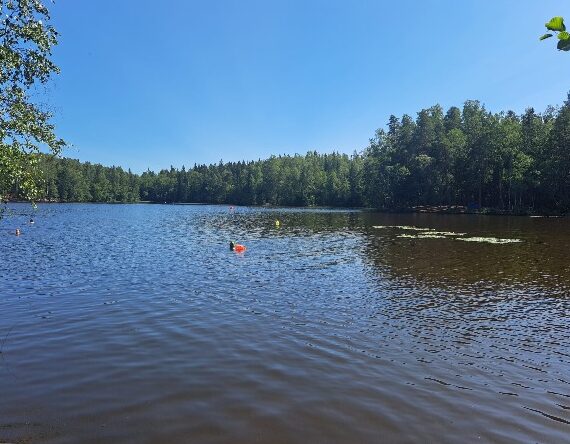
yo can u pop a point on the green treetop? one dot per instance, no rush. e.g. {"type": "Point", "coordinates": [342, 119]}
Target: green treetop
{"type": "Point", "coordinates": [26, 40]}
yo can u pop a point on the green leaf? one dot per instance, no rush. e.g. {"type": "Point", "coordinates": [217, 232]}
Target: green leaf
{"type": "Point", "coordinates": [564, 45]}
{"type": "Point", "coordinates": [556, 24]}
{"type": "Point", "coordinates": [546, 36]}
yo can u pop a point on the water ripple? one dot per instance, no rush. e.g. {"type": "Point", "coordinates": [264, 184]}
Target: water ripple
{"type": "Point", "coordinates": [136, 323]}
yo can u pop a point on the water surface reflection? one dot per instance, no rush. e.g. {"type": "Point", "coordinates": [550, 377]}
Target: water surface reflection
{"type": "Point", "coordinates": [136, 323]}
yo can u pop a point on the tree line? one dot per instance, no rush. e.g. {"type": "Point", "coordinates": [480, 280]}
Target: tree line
{"type": "Point", "coordinates": [468, 156]}
{"type": "Point", "coordinates": [509, 162]}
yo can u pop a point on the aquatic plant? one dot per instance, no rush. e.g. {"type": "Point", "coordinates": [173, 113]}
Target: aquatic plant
{"type": "Point", "coordinates": [403, 227]}
{"type": "Point", "coordinates": [423, 236]}
{"type": "Point", "coordinates": [431, 233]}
{"type": "Point", "coordinates": [490, 240]}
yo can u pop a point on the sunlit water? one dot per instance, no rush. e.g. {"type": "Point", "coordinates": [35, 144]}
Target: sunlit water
{"type": "Point", "coordinates": [135, 323]}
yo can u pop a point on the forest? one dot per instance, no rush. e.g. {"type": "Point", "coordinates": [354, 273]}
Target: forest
{"type": "Point", "coordinates": [463, 156]}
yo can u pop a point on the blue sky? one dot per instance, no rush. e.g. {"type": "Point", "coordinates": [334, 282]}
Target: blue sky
{"type": "Point", "coordinates": [149, 84]}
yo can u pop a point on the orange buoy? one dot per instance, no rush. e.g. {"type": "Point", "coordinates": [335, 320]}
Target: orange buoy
{"type": "Point", "coordinates": [237, 247]}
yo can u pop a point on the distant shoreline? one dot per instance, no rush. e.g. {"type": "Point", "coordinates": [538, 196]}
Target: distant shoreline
{"type": "Point", "coordinates": [427, 209]}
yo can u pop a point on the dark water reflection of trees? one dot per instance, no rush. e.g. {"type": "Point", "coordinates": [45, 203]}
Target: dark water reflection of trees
{"type": "Point", "coordinates": [537, 265]}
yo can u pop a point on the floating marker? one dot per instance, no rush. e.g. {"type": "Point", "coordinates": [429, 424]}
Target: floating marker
{"type": "Point", "coordinates": [237, 247]}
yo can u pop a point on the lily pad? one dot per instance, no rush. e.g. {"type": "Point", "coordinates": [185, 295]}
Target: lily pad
{"type": "Point", "coordinates": [447, 233]}
{"type": "Point", "coordinates": [422, 236]}
{"type": "Point", "coordinates": [489, 240]}
{"type": "Point", "coordinates": [404, 227]}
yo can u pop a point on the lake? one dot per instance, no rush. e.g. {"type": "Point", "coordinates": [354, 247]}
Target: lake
{"type": "Point", "coordinates": [136, 323]}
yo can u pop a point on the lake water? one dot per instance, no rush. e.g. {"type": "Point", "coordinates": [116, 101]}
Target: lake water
{"type": "Point", "coordinates": [135, 323]}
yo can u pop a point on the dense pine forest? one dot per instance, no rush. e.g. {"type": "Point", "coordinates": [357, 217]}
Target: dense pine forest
{"type": "Point", "coordinates": [468, 157]}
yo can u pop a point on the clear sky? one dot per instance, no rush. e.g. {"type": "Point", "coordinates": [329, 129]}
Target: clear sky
{"type": "Point", "coordinates": [149, 84]}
